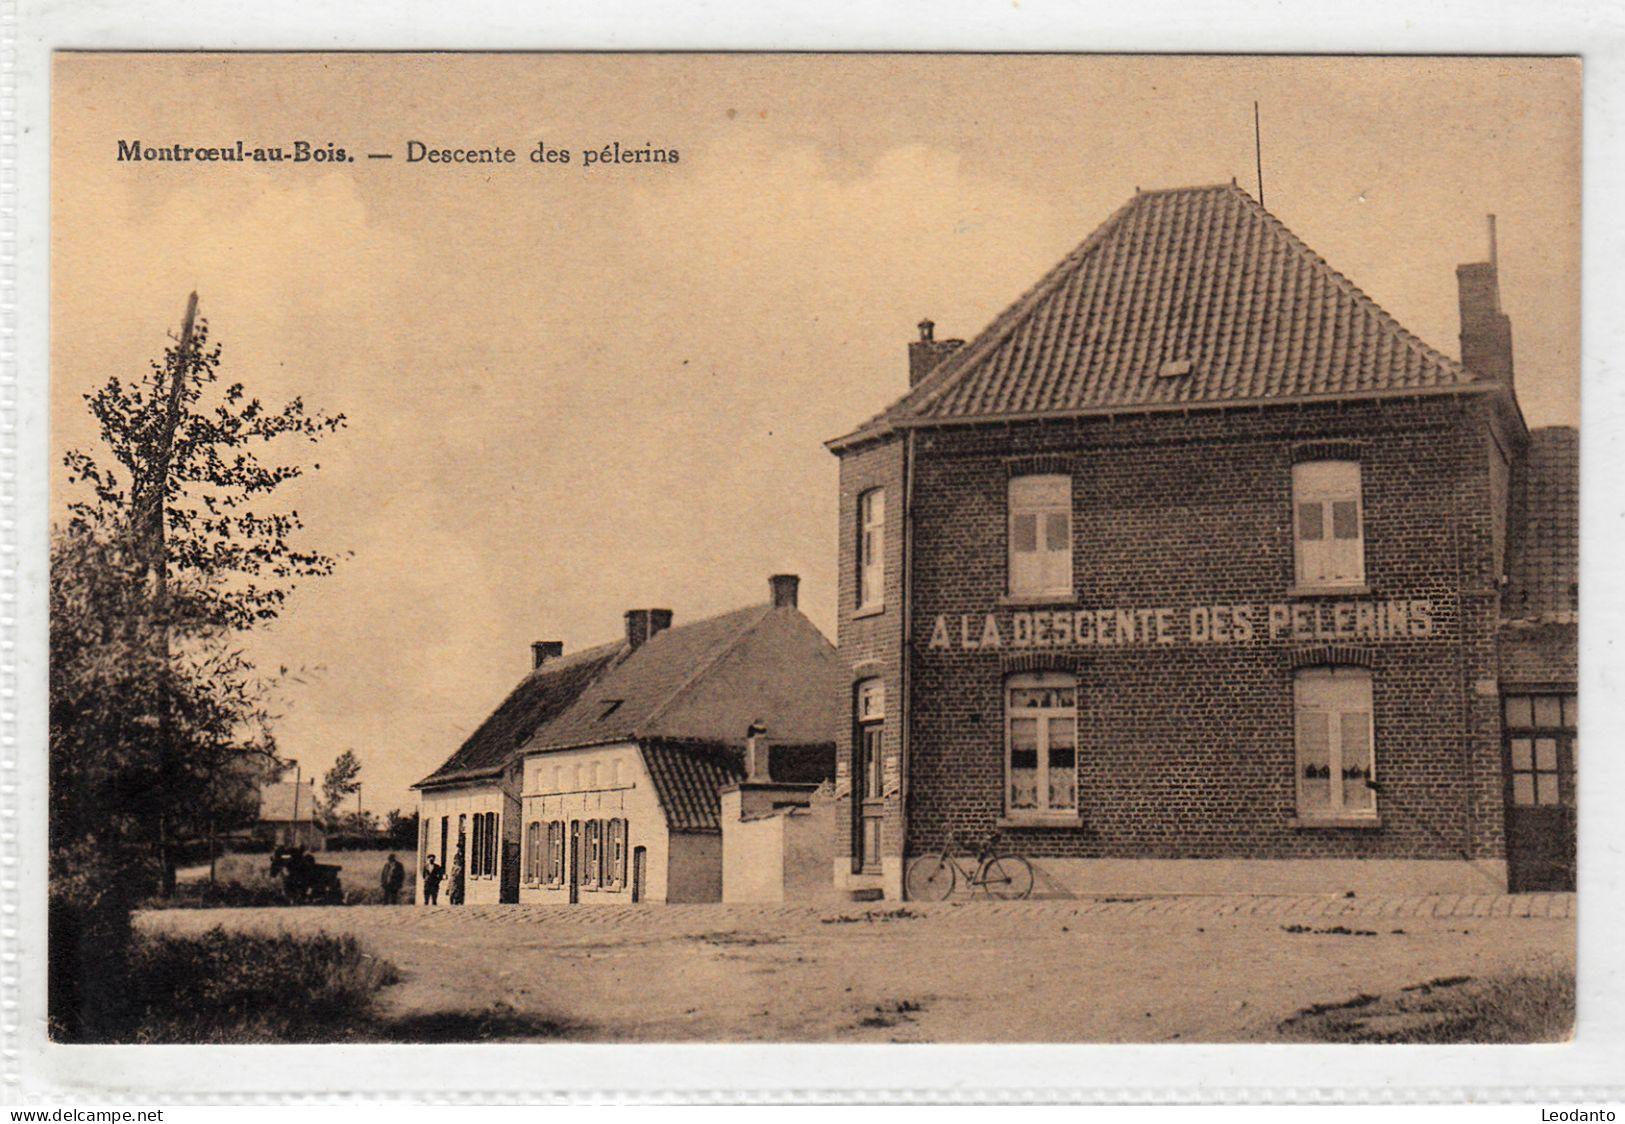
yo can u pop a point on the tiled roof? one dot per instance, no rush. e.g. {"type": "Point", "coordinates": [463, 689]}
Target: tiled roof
{"type": "Point", "coordinates": [626, 702]}
{"type": "Point", "coordinates": [688, 779]}
{"type": "Point", "coordinates": [1543, 564]}
{"type": "Point", "coordinates": [700, 682]}
{"type": "Point", "coordinates": [277, 802]}
{"type": "Point", "coordinates": [1187, 296]}
{"type": "Point", "coordinates": [541, 697]}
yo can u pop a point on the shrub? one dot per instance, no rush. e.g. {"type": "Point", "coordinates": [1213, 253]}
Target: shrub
{"type": "Point", "coordinates": [245, 988]}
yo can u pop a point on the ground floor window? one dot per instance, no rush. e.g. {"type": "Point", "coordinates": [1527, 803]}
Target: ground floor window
{"type": "Point", "coordinates": [593, 834]}
{"type": "Point", "coordinates": [1336, 757]}
{"type": "Point", "coordinates": [533, 851]}
{"type": "Point", "coordinates": [555, 853]}
{"type": "Point", "coordinates": [1041, 743]}
{"type": "Point", "coordinates": [1541, 748]}
{"type": "Point", "coordinates": [482, 862]}
{"type": "Point", "coordinates": [614, 877]}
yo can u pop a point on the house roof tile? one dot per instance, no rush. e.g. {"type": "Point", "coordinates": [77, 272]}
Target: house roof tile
{"type": "Point", "coordinates": [1198, 280]}
{"type": "Point", "coordinates": [1543, 564]}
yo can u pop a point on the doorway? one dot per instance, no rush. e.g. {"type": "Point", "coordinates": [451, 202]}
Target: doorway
{"type": "Point", "coordinates": [640, 858]}
{"type": "Point", "coordinates": [1539, 750]}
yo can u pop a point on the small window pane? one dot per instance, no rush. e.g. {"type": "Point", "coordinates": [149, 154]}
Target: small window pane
{"type": "Point", "coordinates": [1520, 712]}
{"type": "Point", "coordinates": [1024, 533]}
{"type": "Point", "coordinates": [1546, 754]}
{"type": "Point", "coordinates": [1546, 788]}
{"type": "Point", "coordinates": [1345, 520]}
{"type": "Point", "coordinates": [1356, 734]}
{"type": "Point", "coordinates": [1571, 712]}
{"type": "Point", "coordinates": [1548, 711]}
{"type": "Point", "coordinates": [1314, 768]}
{"type": "Point", "coordinates": [1058, 531]}
{"type": "Point", "coordinates": [1309, 522]}
{"type": "Point", "coordinates": [1523, 755]}
{"type": "Point", "coordinates": [1063, 734]}
{"type": "Point", "coordinates": [1523, 788]}
{"type": "Point", "coordinates": [1023, 788]}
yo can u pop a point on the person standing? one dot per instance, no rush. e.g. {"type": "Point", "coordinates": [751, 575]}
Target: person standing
{"type": "Point", "coordinates": [390, 879]}
{"type": "Point", "coordinates": [457, 876]}
{"type": "Point", "coordinates": [433, 872]}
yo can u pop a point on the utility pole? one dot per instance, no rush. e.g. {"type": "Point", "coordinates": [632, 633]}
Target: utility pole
{"type": "Point", "coordinates": [150, 504]}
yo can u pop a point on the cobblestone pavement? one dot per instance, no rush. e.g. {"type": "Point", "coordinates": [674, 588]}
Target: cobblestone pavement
{"type": "Point", "coordinates": [1189, 968]}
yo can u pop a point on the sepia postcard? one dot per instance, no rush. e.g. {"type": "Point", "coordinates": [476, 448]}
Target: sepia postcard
{"type": "Point", "coordinates": [565, 549]}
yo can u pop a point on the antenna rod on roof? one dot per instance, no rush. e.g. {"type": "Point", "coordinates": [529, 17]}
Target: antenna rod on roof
{"type": "Point", "coordinates": [1493, 255]}
{"type": "Point", "coordinates": [1258, 153]}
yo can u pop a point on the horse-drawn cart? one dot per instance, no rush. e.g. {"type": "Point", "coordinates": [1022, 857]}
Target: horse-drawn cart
{"type": "Point", "coordinates": [304, 880]}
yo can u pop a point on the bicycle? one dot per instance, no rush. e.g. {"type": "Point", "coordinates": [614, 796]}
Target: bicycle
{"type": "Point", "coordinates": [931, 877]}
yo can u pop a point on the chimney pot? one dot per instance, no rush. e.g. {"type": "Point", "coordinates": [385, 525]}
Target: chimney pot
{"type": "Point", "coordinates": [543, 650]}
{"type": "Point", "coordinates": [927, 352]}
{"type": "Point", "coordinates": [785, 589]}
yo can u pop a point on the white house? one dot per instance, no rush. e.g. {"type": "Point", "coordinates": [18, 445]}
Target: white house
{"type": "Point", "coordinates": [598, 779]}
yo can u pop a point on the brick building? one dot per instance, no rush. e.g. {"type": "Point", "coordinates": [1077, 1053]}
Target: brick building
{"type": "Point", "coordinates": [600, 777]}
{"type": "Point", "coordinates": [1191, 573]}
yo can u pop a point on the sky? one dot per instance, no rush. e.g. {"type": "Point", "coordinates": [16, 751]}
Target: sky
{"type": "Point", "coordinates": [573, 390]}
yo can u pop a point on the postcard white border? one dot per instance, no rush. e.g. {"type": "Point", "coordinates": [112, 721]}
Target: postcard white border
{"type": "Point", "coordinates": [1583, 1072]}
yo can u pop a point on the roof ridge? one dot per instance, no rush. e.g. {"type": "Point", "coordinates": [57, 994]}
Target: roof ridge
{"type": "Point", "coordinates": [699, 672]}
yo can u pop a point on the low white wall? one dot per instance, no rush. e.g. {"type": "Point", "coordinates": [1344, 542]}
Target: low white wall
{"type": "Point", "coordinates": [752, 854]}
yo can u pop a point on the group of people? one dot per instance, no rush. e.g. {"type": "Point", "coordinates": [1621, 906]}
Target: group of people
{"type": "Point", "coordinates": [434, 874]}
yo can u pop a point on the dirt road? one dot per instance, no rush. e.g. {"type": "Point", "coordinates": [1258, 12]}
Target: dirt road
{"type": "Point", "coordinates": [1140, 970]}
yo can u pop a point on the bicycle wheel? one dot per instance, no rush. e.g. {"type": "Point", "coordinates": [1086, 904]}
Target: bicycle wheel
{"type": "Point", "coordinates": [1007, 876]}
{"type": "Point", "coordinates": [930, 879]}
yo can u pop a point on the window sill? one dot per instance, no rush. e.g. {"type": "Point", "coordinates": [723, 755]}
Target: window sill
{"type": "Point", "coordinates": [868, 611]}
{"type": "Point", "coordinates": [1329, 590]}
{"type": "Point", "coordinates": [1018, 599]}
{"type": "Point", "coordinates": [1302, 823]}
{"type": "Point", "coordinates": [1041, 819]}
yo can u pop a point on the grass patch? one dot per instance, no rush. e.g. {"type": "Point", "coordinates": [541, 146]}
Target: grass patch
{"type": "Point", "coordinates": [1449, 1009]}
{"type": "Point", "coordinates": [241, 988]}
{"type": "Point", "coordinates": [244, 881]}
{"type": "Point", "coordinates": [248, 988]}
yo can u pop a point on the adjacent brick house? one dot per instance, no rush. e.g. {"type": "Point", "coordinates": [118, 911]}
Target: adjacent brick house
{"type": "Point", "coordinates": [1187, 573]}
{"type": "Point", "coordinates": [599, 778]}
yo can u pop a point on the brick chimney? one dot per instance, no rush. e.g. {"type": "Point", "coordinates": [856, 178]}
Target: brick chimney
{"type": "Point", "coordinates": [642, 624]}
{"type": "Point", "coordinates": [757, 768]}
{"type": "Point", "coordinates": [543, 650]}
{"type": "Point", "coordinates": [927, 352]}
{"type": "Point", "coordinates": [784, 588]}
{"type": "Point", "coordinates": [1486, 333]}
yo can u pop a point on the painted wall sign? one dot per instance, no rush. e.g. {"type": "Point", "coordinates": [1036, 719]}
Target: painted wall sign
{"type": "Point", "coordinates": [1197, 625]}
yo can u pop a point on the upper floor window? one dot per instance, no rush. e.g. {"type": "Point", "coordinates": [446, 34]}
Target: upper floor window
{"type": "Point", "coordinates": [1329, 524]}
{"type": "Point", "coordinates": [1041, 536]}
{"type": "Point", "coordinates": [1041, 744]}
{"type": "Point", "coordinates": [871, 548]}
{"type": "Point", "coordinates": [1336, 759]}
